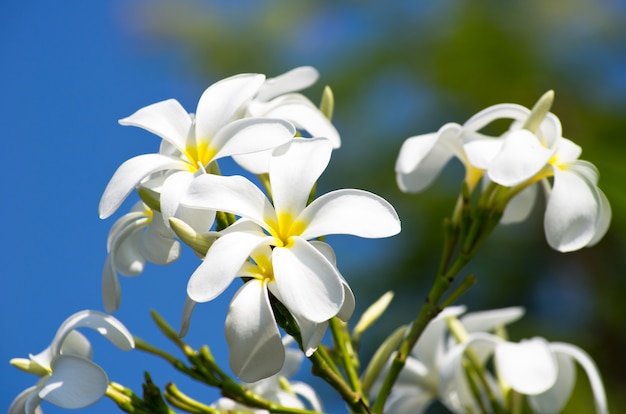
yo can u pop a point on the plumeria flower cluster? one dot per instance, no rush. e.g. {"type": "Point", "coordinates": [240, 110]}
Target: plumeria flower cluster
{"type": "Point", "coordinates": [69, 378]}
{"type": "Point", "coordinates": [274, 241]}
{"type": "Point", "coordinates": [244, 116]}
{"type": "Point", "coordinates": [532, 151]}
{"type": "Point", "coordinates": [450, 363]}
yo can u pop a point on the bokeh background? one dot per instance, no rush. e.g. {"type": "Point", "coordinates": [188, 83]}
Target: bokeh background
{"type": "Point", "coordinates": [69, 70]}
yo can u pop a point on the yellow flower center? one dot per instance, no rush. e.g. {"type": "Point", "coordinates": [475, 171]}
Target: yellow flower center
{"type": "Point", "coordinates": [199, 155]}
{"type": "Point", "coordinates": [286, 228]}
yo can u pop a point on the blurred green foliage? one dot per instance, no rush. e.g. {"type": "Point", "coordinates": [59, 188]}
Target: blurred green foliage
{"type": "Point", "coordinates": [404, 68]}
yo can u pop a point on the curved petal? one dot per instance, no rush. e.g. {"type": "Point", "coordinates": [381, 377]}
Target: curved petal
{"type": "Point", "coordinates": [74, 383]}
{"type": "Point", "coordinates": [550, 130]}
{"type": "Point", "coordinates": [167, 119]}
{"type": "Point", "coordinates": [188, 308]}
{"type": "Point", "coordinates": [222, 262]}
{"type": "Point", "coordinates": [76, 344]}
{"type": "Point", "coordinates": [26, 402]}
{"type": "Point", "coordinates": [255, 347]}
{"type": "Point", "coordinates": [420, 161]}
{"type": "Point", "coordinates": [522, 156]}
{"type": "Point", "coordinates": [174, 188]}
{"type": "Point", "coordinates": [111, 290]}
{"type": "Point", "coordinates": [590, 368]}
{"type": "Point", "coordinates": [486, 321]}
{"type": "Point", "coordinates": [415, 402]}
{"type": "Point", "coordinates": [304, 115]}
{"type": "Point", "coordinates": [157, 243]}
{"type": "Point", "coordinates": [529, 367]}
{"type": "Point", "coordinates": [233, 194]}
{"type": "Point", "coordinates": [356, 212]}
{"type": "Point", "coordinates": [125, 254]}
{"type": "Point", "coordinates": [308, 393]}
{"type": "Point", "coordinates": [294, 80]}
{"type": "Point", "coordinates": [129, 174]}
{"type": "Point", "coordinates": [255, 162]}
{"type": "Point", "coordinates": [220, 102]}
{"type": "Point", "coordinates": [454, 389]}
{"type": "Point", "coordinates": [567, 151]}
{"type": "Point", "coordinates": [309, 285]}
{"type": "Point", "coordinates": [481, 152]}
{"type": "Point", "coordinates": [604, 221]}
{"type": "Point", "coordinates": [294, 169]}
{"type": "Point", "coordinates": [519, 207]}
{"type": "Point", "coordinates": [571, 216]}
{"type": "Point", "coordinates": [249, 135]}
{"type": "Point", "coordinates": [492, 113]}
{"type": "Point", "coordinates": [429, 348]}
{"type": "Point", "coordinates": [105, 324]}
{"type": "Point", "coordinates": [554, 400]}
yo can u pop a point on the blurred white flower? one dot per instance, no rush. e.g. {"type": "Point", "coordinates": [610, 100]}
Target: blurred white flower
{"type": "Point", "coordinates": [190, 143]}
{"type": "Point", "coordinates": [69, 379]}
{"type": "Point", "coordinates": [427, 376]}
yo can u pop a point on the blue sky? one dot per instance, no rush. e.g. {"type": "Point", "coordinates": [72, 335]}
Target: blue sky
{"type": "Point", "coordinates": [68, 72]}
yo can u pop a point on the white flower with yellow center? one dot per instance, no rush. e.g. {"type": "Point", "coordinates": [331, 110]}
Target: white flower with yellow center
{"type": "Point", "coordinates": [191, 143]}
{"type": "Point", "coordinates": [69, 379]}
{"type": "Point", "coordinates": [304, 279]}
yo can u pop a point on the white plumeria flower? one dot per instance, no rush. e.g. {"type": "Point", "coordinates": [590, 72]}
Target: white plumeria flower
{"type": "Point", "coordinates": [302, 275]}
{"type": "Point", "coordinates": [69, 378]}
{"type": "Point", "coordinates": [422, 380]}
{"type": "Point", "coordinates": [423, 157]}
{"type": "Point", "coordinates": [276, 387]}
{"type": "Point", "coordinates": [215, 132]}
{"type": "Point", "coordinates": [277, 98]}
{"type": "Point", "coordinates": [578, 213]}
{"type": "Point", "coordinates": [543, 371]}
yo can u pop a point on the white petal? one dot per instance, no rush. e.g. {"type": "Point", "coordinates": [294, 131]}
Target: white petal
{"type": "Point", "coordinates": [481, 152]}
{"type": "Point", "coordinates": [308, 393]}
{"type": "Point", "coordinates": [249, 135]}
{"type": "Point", "coordinates": [294, 80]}
{"type": "Point", "coordinates": [157, 242]}
{"type": "Point", "coordinates": [522, 156]}
{"type": "Point", "coordinates": [27, 402]}
{"type": "Point", "coordinates": [232, 194]}
{"type": "Point", "coordinates": [519, 207]}
{"type": "Point", "coordinates": [550, 130]}
{"type": "Point", "coordinates": [567, 151]}
{"type": "Point", "coordinates": [188, 308]}
{"type": "Point", "coordinates": [554, 400]}
{"type": "Point", "coordinates": [222, 262]}
{"type": "Point", "coordinates": [415, 402]}
{"type": "Point", "coordinates": [105, 324]}
{"type": "Point", "coordinates": [304, 115]}
{"type": "Point", "coordinates": [256, 162]}
{"type": "Point", "coordinates": [167, 119]}
{"type": "Point", "coordinates": [529, 367]}
{"type": "Point", "coordinates": [294, 169]}
{"type": "Point", "coordinates": [76, 344]}
{"type": "Point", "coordinates": [255, 348]}
{"type": "Point", "coordinates": [311, 333]}
{"type": "Point", "coordinates": [604, 221]}
{"type": "Point", "coordinates": [111, 290]}
{"type": "Point", "coordinates": [348, 211]}
{"type": "Point", "coordinates": [572, 212]}
{"type": "Point", "coordinates": [309, 285]}
{"type": "Point", "coordinates": [174, 188]}
{"type": "Point", "coordinates": [492, 113]}
{"type": "Point", "coordinates": [430, 346]}
{"type": "Point", "coordinates": [591, 370]}
{"type": "Point", "coordinates": [74, 383]}
{"type": "Point", "coordinates": [220, 102]}
{"type": "Point", "coordinates": [129, 175]}
{"type": "Point", "coordinates": [486, 321]}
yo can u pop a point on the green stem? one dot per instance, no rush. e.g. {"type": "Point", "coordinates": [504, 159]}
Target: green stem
{"type": "Point", "coordinates": [180, 400]}
{"type": "Point", "coordinates": [349, 359]}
